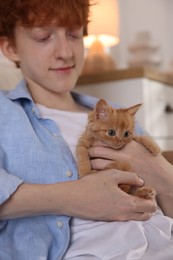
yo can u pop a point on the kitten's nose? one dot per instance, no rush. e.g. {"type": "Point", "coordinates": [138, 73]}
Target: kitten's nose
{"type": "Point", "coordinates": [119, 139]}
{"type": "Point", "coordinates": [118, 142]}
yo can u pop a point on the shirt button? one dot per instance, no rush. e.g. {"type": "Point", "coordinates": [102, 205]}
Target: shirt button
{"type": "Point", "coordinates": [60, 224]}
{"type": "Point", "coordinates": [33, 110]}
{"type": "Point", "coordinates": [54, 134]}
{"type": "Point", "coordinates": [69, 174]}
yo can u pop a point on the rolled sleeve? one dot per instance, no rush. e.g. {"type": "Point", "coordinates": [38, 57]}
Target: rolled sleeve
{"type": "Point", "coordinates": [8, 185]}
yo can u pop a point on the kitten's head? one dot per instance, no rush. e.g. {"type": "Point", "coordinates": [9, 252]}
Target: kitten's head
{"type": "Point", "coordinates": [113, 126]}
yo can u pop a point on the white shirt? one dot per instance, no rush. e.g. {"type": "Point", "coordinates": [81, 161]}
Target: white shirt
{"type": "Point", "coordinates": [71, 124]}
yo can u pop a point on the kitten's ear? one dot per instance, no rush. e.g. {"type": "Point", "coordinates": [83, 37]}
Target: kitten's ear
{"type": "Point", "coordinates": [102, 109]}
{"type": "Point", "coordinates": [132, 110]}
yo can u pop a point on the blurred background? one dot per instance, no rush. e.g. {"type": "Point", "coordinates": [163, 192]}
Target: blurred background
{"type": "Point", "coordinates": [144, 28]}
{"type": "Point", "coordinates": [152, 16]}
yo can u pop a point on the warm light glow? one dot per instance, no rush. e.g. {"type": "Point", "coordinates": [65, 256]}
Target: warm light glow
{"type": "Point", "coordinates": [103, 32]}
{"type": "Point", "coordinates": [104, 24]}
{"type": "Point", "coordinates": [106, 40]}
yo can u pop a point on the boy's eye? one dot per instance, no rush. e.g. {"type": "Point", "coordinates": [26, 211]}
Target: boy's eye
{"type": "Point", "coordinates": [126, 134]}
{"type": "Point", "coordinates": [40, 34]}
{"type": "Point", "coordinates": [111, 132]}
{"type": "Point", "coordinates": [75, 34]}
{"type": "Point", "coordinates": [42, 39]}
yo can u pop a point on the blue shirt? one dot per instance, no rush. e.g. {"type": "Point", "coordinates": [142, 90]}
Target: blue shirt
{"type": "Point", "coordinates": [32, 150]}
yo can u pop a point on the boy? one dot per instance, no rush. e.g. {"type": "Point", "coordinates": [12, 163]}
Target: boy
{"type": "Point", "coordinates": [38, 176]}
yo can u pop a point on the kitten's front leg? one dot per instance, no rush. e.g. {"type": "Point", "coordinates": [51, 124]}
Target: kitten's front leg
{"type": "Point", "coordinates": [122, 166]}
{"type": "Point", "coordinates": [83, 159]}
{"type": "Point", "coordinates": [142, 192]}
{"type": "Point", "coordinates": [84, 165]}
{"type": "Point", "coordinates": [148, 143]}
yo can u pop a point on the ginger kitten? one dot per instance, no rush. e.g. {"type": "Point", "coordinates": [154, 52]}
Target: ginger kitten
{"type": "Point", "coordinates": [115, 127]}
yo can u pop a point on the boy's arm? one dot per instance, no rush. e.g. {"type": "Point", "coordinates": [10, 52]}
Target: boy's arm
{"type": "Point", "coordinates": [95, 196]}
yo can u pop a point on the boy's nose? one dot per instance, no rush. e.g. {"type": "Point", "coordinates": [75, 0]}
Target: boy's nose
{"type": "Point", "coordinates": [63, 49]}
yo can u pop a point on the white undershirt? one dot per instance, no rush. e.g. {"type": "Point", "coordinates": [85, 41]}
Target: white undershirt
{"type": "Point", "coordinates": [71, 124]}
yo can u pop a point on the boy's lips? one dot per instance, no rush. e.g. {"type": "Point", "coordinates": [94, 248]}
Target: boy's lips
{"type": "Point", "coordinates": [63, 69]}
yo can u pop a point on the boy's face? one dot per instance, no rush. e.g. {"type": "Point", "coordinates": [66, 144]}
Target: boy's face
{"type": "Point", "coordinates": [51, 58]}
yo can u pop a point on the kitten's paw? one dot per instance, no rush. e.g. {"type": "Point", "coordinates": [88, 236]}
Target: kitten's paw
{"type": "Point", "coordinates": [154, 149]}
{"type": "Point", "coordinates": [126, 188]}
{"type": "Point", "coordinates": [84, 170]}
{"type": "Point", "coordinates": [148, 143]}
{"type": "Point", "coordinates": [146, 193]}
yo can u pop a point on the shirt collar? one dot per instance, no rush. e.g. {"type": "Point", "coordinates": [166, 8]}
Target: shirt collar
{"type": "Point", "coordinates": [87, 101]}
{"type": "Point", "coordinates": [21, 92]}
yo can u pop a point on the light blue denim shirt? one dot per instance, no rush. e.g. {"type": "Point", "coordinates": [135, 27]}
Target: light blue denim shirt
{"type": "Point", "coordinates": [32, 150]}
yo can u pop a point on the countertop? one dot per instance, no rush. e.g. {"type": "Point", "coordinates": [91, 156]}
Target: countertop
{"type": "Point", "coordinates": [129, 73]}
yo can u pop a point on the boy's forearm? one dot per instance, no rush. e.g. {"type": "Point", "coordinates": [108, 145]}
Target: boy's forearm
{"type": "Point", "coordinates": [166, 204]}
{"type": "Point", "coordinates": [95, 196]}
{"type": "Point", "coordinates": [165, 197]}
{"type": "Point", "coordinates": [33, 200]}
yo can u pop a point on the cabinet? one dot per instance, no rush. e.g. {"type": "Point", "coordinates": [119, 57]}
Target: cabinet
{"type": "Point", "coordinates": [127, 87]}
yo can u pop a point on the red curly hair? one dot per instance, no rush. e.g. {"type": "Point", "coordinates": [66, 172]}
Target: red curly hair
{"type": "Point", "coordinates": [29, 13]}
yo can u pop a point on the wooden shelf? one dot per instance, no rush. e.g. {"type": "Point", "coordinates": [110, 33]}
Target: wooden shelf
{"type": "Point", "coordinates": [168, 156]}
{"type": "Point", "coordinates": [129, 73]}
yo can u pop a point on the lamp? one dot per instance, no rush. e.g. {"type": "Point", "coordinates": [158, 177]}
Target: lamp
{"type": "Point", "coordinates": [103, 32]}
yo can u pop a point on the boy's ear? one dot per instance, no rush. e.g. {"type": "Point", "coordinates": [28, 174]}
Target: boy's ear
{"type": "Point", "coordinates": [8, 49]}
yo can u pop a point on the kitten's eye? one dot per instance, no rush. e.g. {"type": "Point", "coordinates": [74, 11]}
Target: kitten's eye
{"type": "Point", "coordinates": [126, 134]}
{"type": "Point", "coordinates": [111, 132]}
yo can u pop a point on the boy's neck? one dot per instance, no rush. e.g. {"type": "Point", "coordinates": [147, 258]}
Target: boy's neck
{"type": "Point", "coordinates": [62, 101]}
